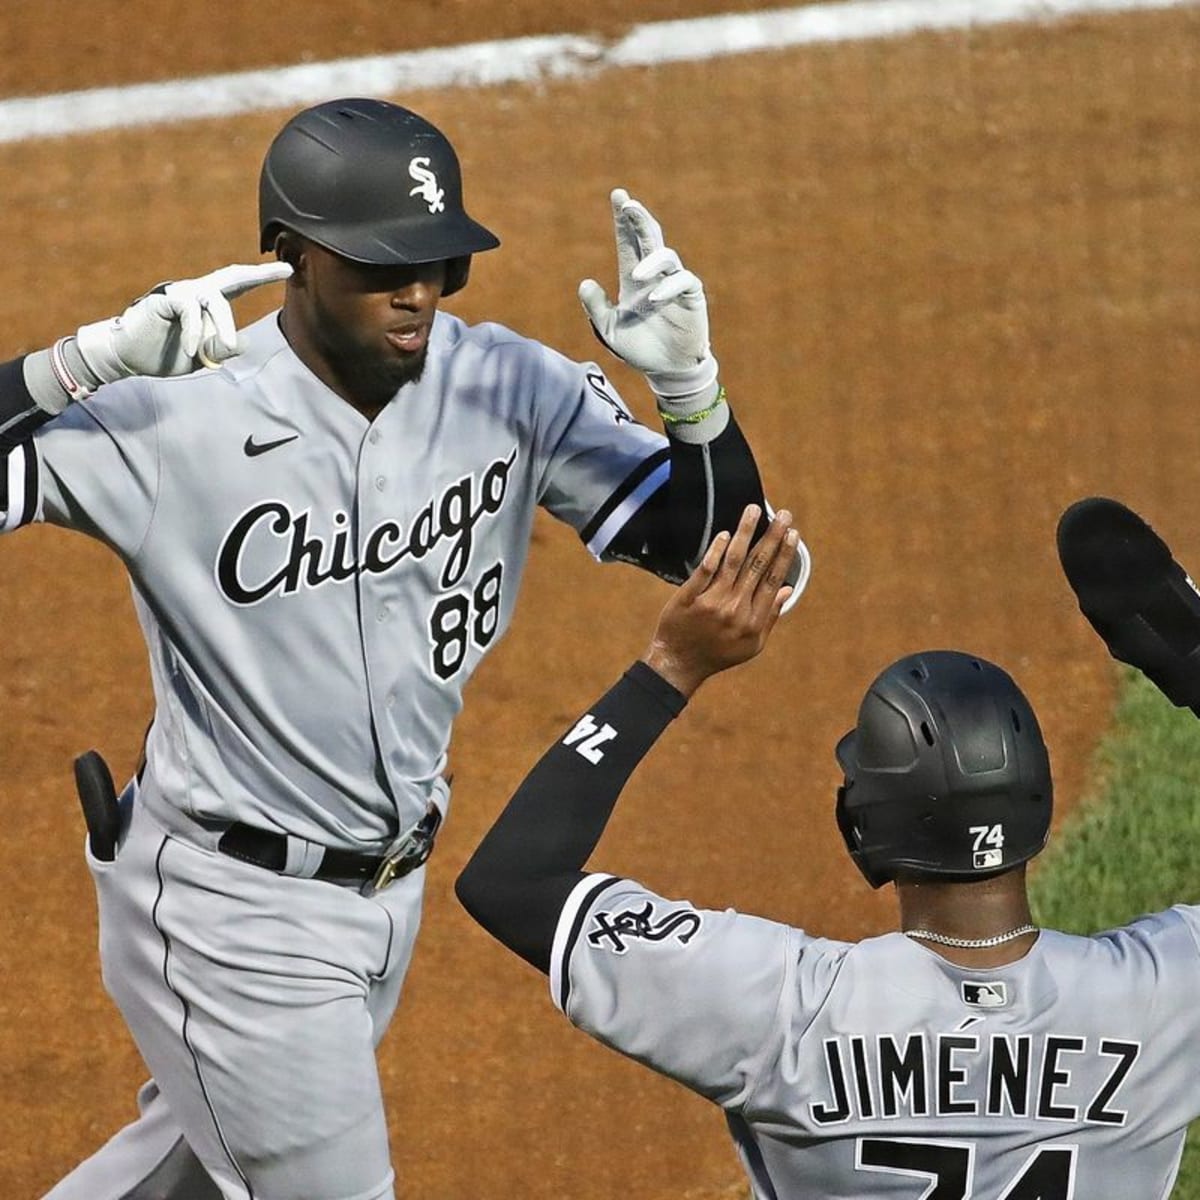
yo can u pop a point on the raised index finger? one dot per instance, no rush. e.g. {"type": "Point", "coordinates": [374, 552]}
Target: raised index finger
{"type": "Point", "coordinates": [239, 278]}
{"type": "Point", "coordinates": [628, 251]}
{"type": "Point", "coordinates": [646, 231]}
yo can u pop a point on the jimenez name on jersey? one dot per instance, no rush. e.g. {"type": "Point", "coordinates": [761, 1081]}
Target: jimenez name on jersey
{"type": "Point", "coordinates": [963, 1074]}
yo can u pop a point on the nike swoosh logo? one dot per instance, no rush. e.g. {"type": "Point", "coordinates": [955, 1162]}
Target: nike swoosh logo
{"type": "Point", "coordinates": [253, 449]}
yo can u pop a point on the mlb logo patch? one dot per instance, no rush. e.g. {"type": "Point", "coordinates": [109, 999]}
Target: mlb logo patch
{"type": "Point", "coordinates": [987, 859]}
{"type": "Point", "coordinates": [985, 995]}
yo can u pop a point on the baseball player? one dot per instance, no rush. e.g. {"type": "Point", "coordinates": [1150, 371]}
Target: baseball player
{"type": "Point", "coordinates": [325, 519]}
{"type": "Point", "coordinates": [970, 1054]}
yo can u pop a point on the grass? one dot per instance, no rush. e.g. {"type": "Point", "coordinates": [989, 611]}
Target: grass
{"type": "Point", "coordinates": [1130, 846]}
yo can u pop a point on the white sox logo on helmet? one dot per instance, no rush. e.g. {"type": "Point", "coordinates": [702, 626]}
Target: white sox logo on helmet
{"type": "Point", "coordinates": [427, 185]}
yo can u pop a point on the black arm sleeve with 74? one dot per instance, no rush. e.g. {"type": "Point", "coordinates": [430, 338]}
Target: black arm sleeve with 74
{"type": "Point", "coordinates": [524, 869]}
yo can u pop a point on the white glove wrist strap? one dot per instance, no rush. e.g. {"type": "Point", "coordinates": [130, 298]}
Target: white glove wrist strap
{"type": "Point", "coordinates": [95, 344]}
{"type": "Point", "coordinates": [676, 387]}
{"type": "Point", "coordinates": [71, 382]}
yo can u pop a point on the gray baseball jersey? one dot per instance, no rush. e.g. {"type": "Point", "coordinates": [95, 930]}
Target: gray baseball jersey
{"type": "Point", "coordinates": [878, 1068]}
{"type": "Point", "coordinates": [314, 589]}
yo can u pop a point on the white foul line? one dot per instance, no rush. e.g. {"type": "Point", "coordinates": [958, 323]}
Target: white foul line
{"type": "Point", "coordinates": [521, 60]}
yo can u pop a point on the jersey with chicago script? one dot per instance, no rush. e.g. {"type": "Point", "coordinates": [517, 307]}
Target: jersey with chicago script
{"type": "Point", "coordinates": [314, 588]}
{"type": "Point", "coordinates": [880, 1069]}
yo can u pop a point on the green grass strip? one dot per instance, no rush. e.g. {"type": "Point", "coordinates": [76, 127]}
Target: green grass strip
{"type": "Point", "coordinates": [1129, 848]}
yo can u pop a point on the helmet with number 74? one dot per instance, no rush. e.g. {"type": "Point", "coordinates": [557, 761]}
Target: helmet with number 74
{"type": "Point", "coordinates": [946, 773]}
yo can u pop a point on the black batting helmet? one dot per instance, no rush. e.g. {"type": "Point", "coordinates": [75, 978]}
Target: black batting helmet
{"type": "Point", "coordinates": [946, 772]}
{"type": "Point", "coordinates": [373, 182]}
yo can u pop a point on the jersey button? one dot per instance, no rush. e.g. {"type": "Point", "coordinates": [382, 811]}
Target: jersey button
{"type": "Point", "coordinates": [380, 482]}
{"type": "Point", "coordinates": [383, 614]}
{"type": "Point", "coordinates": [373, 437]}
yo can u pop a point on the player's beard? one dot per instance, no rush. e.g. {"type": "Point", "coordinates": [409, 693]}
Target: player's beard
{"type": "Point", "coordinates": [377, 377]}
{"type": "Point", "coordinates": [370, 373]}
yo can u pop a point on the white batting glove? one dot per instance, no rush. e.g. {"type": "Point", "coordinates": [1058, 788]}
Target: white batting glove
{"type": "Point", "coordinates": [659, 324]}
{"type": "Point", "coordinates": [176, 329]}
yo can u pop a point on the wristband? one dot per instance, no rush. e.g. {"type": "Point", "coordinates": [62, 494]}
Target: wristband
{"type": "Point", "coordinates": [696, 417]}
{"type": "Point", "coordinates": [63, 374]}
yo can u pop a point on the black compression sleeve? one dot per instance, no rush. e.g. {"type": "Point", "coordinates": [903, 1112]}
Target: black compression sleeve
{"type": "Point", "coordinates": [708, 487]}
{"type": "Point", "coordinates": [524, 869]}
{"type": "Point", "coordinates": [19, 412]}
{"type": "Point", "coordinates": [735, 482]}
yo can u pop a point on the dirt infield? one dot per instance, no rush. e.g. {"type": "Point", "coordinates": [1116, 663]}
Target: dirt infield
{"type": "Point", "coordinates": [953, 288]}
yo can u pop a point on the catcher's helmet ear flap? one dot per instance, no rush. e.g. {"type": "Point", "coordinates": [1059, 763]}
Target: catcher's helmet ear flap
{"type": "Point", "coordinates": [373, 182]}
{"type": "Point", "coordinates": [946, 772]}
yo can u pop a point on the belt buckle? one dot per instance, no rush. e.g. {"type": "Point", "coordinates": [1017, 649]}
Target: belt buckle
{"type": "Point", "coordinates": [412, 852]}
{"type": "Point", "coordinates": [388, 870]}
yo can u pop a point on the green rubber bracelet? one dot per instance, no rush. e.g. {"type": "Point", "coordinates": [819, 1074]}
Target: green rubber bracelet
{"type": "Point", "coordinates": [695, 418]}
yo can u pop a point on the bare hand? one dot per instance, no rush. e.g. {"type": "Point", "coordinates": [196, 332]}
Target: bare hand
{"type": "Point", "coordinates": [724, 613]}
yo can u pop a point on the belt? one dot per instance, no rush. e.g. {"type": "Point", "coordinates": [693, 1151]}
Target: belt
{"type": "Point", "coordinates": [269, 850]}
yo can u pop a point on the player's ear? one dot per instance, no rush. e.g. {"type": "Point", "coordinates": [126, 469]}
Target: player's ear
{"type": "Point", "coordinates": [290, 249]}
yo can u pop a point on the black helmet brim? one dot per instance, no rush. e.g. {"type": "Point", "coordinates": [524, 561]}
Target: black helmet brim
{"type": "Point", "coordinates": [399, 243]}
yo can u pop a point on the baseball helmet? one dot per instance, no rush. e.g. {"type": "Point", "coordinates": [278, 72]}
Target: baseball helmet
{"type": "Point", "coordinates": [946, 772]}
{"type": "Point", "coordinates": [373, 182]}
